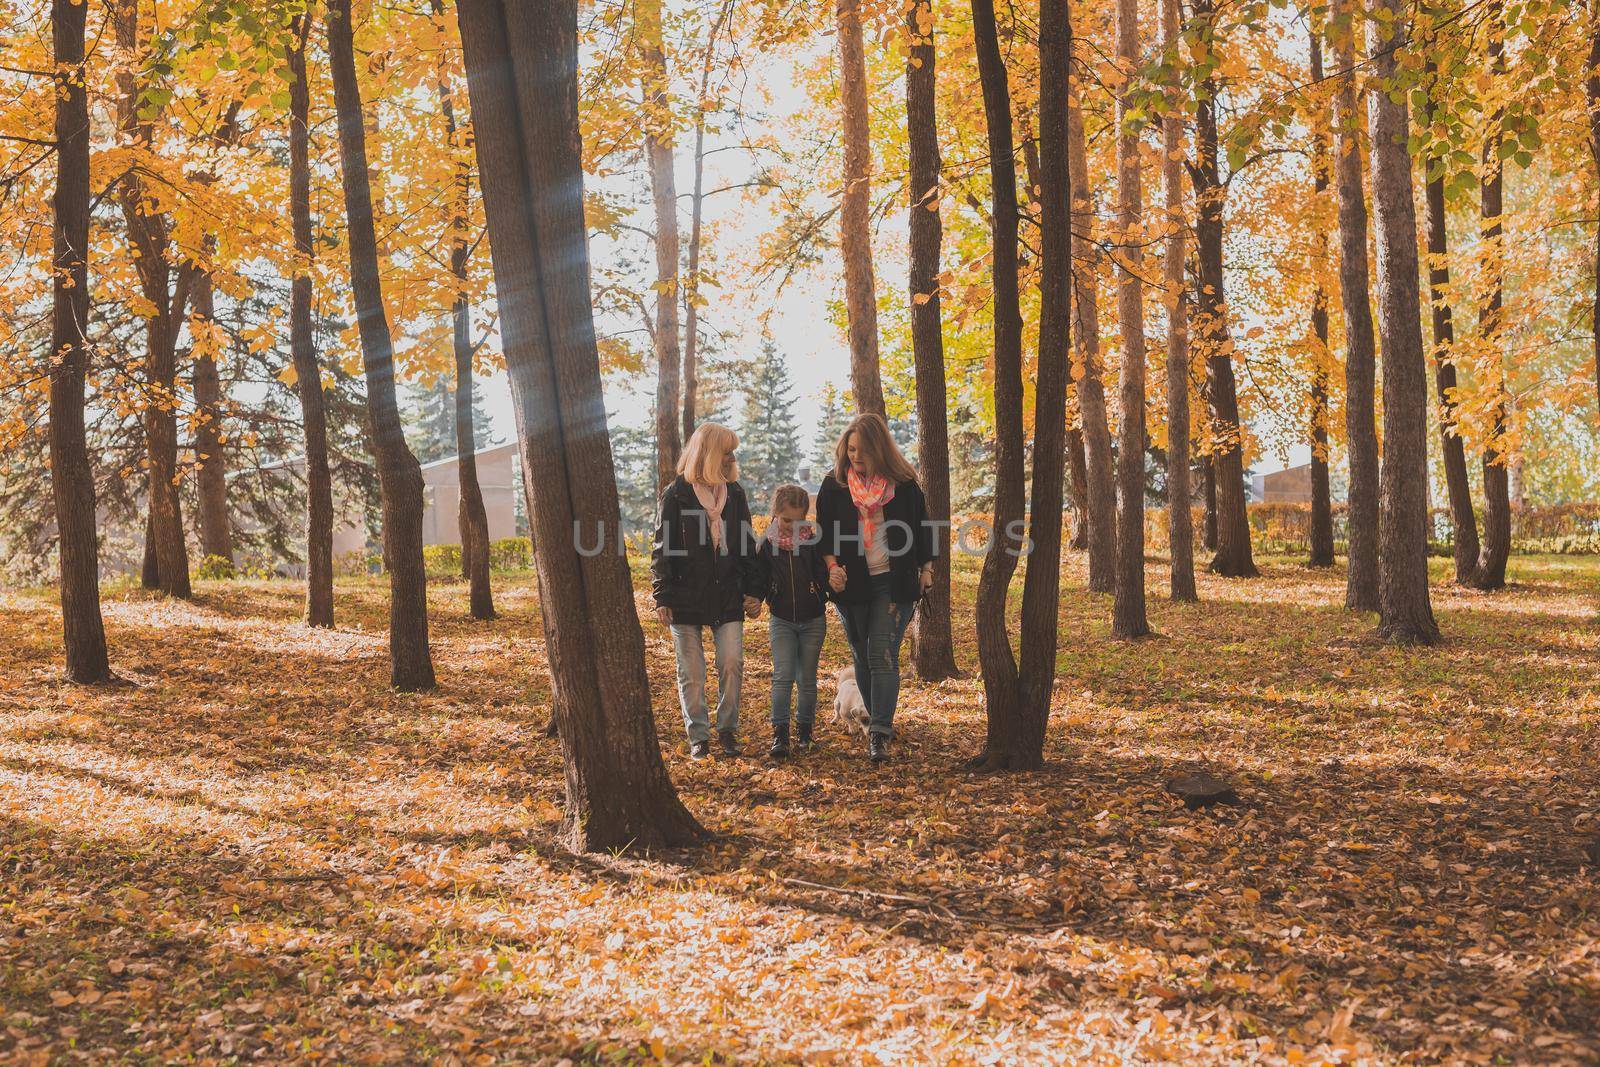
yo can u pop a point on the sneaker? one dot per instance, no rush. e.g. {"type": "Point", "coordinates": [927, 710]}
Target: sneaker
{"type": "Point", "coordinates": [803, 740]}
{"type": "Point", "coordinates": [700, 749]}
{"type": "Point", "coordinates": [730, 746]}
{"type": "Point", "coordinates": [878, 747]}
{"type": "Point", "coordinates": [780, 741]}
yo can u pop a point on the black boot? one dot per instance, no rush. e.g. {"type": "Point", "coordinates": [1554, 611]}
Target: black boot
{"type": "Point", "coordinates": [878, 747]}
{"type": "Point", "coordinates": [803, 737]}
{"type": "Point", "coordinates": [730, 746]}
{"type": "Point", "coordinates": [780, 741]}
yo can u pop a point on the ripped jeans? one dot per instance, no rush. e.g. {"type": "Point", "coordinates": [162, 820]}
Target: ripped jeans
{"type": "Point", "coordinates": [875, 630]}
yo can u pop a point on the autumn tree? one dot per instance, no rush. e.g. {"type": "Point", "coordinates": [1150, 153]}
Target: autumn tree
{"type": "Point", "coordinates": [1180, 518]}
{"type": "Point", "coordinates": [1017, 697]}
{"type": "Point", "coordinates": [71, 476]}
{"type": "Point", "coordinates": [658, 124]}
{"type": "Point", "coordinates": [410, 661]}
{"type": "Point", "coordinates": [1360, 361]}
{"type": "Point", "coordinates": [1234, 558]}
{"type": "Point", "coordinates": [1321, 547]}
{"type": "Point", "coordinates": [1491, 570]}
{"type": "Point", "coordinates": [1405, 615]}
{"type": "Point", "coordinates": [855, 206]}
{"type": "Point", "coordinates": [934, 654]}
{"type": "Point", "coordinates": [522, 78]}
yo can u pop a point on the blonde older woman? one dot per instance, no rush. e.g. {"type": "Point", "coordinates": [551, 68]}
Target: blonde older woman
{"type": "Point", "coordinates": [706, 574]}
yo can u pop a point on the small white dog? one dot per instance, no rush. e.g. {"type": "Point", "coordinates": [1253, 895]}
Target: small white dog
{"type": "Point", "coordinates": [849, 710]}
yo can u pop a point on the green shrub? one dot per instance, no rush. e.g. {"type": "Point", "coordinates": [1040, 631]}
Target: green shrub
{"type": "Point", "coordinates": [442, 560]}
{"type": "Point", "coordinates": [215, 568]}
{"type": "Point", "coordinates": [510, 554]}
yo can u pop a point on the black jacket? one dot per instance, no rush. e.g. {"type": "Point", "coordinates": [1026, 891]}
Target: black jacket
{"type": "Point", "coordinates": [703, 586]}
{"type": "Point", "coordinates": [906, 531]}
{"type": "Point", "coordinates": [795, 583]}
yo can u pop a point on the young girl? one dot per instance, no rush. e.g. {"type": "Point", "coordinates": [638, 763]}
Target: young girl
{"type": "Point", "coordinates": [796, 581]}
{"type": "Point", "coordinates": [706, 573]}
{"type": "Point", "coordinates": [877, 540]}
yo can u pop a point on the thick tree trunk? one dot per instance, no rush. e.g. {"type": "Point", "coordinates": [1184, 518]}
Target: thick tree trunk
{"type": "Point", "coordinates": [149, 567]}
{"type": "Point", "coordinates": [1405, 615]}
{"type": "Point", "coordinates": [1361, 433]}
{"type": "Point", "coordinates": [658, 143]}
{"type": "Point", "coordinates": [1011, 741]}
{"type": "Point", "coordinates": [472, 519]}
{"type": "Point", "coordinates": [1180, 519]}
{"type": "Point", "coordinates": [302, 342]}
{"type": "Point", "coordinates": [935, 653]}
{"type": "Point", "coordinates": [1462, 519]}
{"type": "Point", "coordinates": [855, 206]}
{"type": "Point", "coordinates": [1234, 558]}
{"type": "Point", "coordinates": [71, 477]}
{"type": "Point", "coordinates": [1491, 569]}
{"type": "Point", "coordinates": [1321, 554]}
{"type": "Point", "coordinates": [399, 476]}
{"type": "Point", "coordinates": [148, 231]}
{"type": "Point", "coordinates": [1128, 613]}
{"type": "Point", "coordinates": [522, 75]}
{"type": "Point", "coordinates": [1099, 465]}
{"type": "Point", "coordinates": [216, 531]}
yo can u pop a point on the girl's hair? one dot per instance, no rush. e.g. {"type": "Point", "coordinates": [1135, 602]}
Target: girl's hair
{"type": "Point", "coordinates": [701, 461]}
{"type": "Point", "coordinates": [875, 440]}
{"type": "Point", "coordinates": [790, 496]}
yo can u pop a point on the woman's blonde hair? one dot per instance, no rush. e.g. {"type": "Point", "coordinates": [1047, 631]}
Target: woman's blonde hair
{"type": "Point", "coordinates": [790, 496]}
{"type": "Point", "coordinates": [701, 461]}
{"type": "Point", "coordinates": [875, 440]}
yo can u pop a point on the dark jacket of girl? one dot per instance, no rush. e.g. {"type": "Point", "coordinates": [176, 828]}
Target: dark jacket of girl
{"type": "Point", "coordinates": [907, 536]}
{"type": "Point", "coordinates": [702, 584]}
{"type": "Point", "coordinates": [796, 583]}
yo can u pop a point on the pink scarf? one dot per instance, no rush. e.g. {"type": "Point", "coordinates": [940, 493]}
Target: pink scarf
{"type": "Point", "coordinates": [712, 498]}
{"type": "Point", "coordinates": [807, 535]}
{"type": "Point", "coordinates": [869, 494]}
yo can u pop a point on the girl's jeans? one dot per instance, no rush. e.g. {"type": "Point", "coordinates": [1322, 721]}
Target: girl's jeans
{"type": "Point", "coordinates": [689, 646]}
{"type": "Point", "coordinates": [875, 630]}
{"type": "Point", "coordinates": [796, 647]}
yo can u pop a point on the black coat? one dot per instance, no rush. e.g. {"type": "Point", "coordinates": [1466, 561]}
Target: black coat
{"type": "Point", "coordinates": [703, 586]}
{"type": "Point", "coordinates": [795, 583]}
{"type": "Point", "coordinates": [906, 531]}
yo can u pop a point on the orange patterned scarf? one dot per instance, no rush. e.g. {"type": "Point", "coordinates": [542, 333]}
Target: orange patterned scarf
{"type": "Point", "coordinates": [869, 494]}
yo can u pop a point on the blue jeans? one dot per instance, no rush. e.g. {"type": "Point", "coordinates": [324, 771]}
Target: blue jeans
{"type": "Point", "coordinates": [796, 647]}
{"type": "Point", "coordinates": [874, 630]}
{"type": "Point", "coordinates": [689, 646]}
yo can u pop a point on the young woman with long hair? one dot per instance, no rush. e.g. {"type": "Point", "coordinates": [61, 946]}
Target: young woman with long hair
{"type": "Point", "coordinates": [877, 540]}
{"type": "Point", "coordinates": [706, 574]}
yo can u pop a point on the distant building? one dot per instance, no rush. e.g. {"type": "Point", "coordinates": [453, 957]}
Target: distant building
{"type": "Point", "coordinates": [1291, 486]}
{"type": "Point", "coordinates": [441, 495]}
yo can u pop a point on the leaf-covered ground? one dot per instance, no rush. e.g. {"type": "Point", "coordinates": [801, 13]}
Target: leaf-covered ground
{"type": "Point", "coordinates": [255, 851]}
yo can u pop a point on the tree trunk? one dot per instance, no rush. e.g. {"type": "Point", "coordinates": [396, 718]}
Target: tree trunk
{"type": "Point", "coordinates": [855, 206]}
{"type": "Point", "coordinates": [935, 654]}
{"type": "Point", "coordinates": [71, 477]}
{"type": "Point", "coordinates": [1462, 519]}
{"type": "Point", "coordinates": [1208, 521]}
{"type": "Point", "coordinates": [1234, 558]}
{"type": "Point", "coordinates": [522, 76]}
{"type": "Point", "coordinates": [1128, 618]}
{"type": "Point", "coordinates": [148, 231]}
{"type": "Point", "coordinates": [216, 532]}
{"type": "Point", "coordinates": [1011, 741]}
{"type": "Point", "coordinates": [1491, 569]}
{"type": "Point", "coordinates": [1077, 479]}
{"type": "Point", "coordinates": [1180, 520]}
{"type": "Point", "coordinates": [1361, 433]}
{"type": "Point", "coordinates": [399, 476]}
{"type": "Point", "coordinates": [471, 519]}
{"type": "Point", "coordinates": [1321, 503]}
{"type": "Point", "coordinates": [1592, 88]}
{"type": "Point", "coordinates": [149, 568]}
{"type": "Point", "coordinates": [302, 341]}
{"type": "Point", "coordinates": [656, 116]}
{"type": "Point", "coordinates": [1102, 479]}
{"type": "Point", "coordinates": [1405, 615]}
{"type": "Point", "coordinates": [691, 283]}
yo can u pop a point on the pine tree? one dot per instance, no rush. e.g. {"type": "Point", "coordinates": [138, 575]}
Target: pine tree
{"type": "Point", "coordinates": [835, 417]}
{"type": "Point", "coordinates": [431, 421]}
{"type": "Point", "coordinates": [769, 440]}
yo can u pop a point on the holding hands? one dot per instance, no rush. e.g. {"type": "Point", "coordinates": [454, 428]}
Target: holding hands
{"type": "Point", "coordinates": [835, 577]}
{"type": "Point", "coordinates": [752, 607]}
